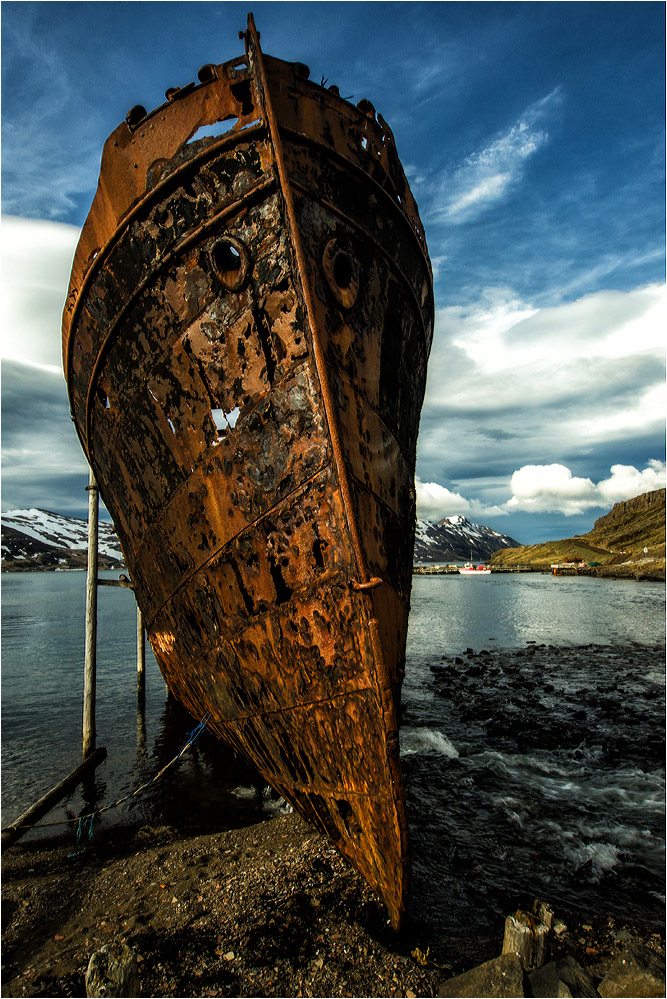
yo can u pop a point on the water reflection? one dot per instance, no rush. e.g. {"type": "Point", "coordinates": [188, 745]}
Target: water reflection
{"type": "Point", "coordinates": [450, 612]}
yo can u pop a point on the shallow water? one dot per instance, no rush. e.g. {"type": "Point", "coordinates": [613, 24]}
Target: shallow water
{"type": "Point", "coordinates": [512, 792]}
{"type": "Point", "coordinates": [543, 769]}
{"type": "Point", "coordinates": [42, 689]}
{"type": "Point", "coordinates": [452, 612]}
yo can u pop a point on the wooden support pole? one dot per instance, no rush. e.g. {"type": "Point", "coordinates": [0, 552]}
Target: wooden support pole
{"type": "Point", "coordinates": [90, 667]}
{"type": "Point", "coordinates": [141, 662]}
{"type": "Point", "coordinates": [21, 825]}
{"type": "Point", "coordinates": [141, 640]}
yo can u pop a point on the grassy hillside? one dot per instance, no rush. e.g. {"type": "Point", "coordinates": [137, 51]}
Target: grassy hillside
{"type": "Point", "coordinates": [618, 539]}
{"type": "Point", "coordinates": [552, 551]}
{"type": "Point", "coordinates": [633, 525]}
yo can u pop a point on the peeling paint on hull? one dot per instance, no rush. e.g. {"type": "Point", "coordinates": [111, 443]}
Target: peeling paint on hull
{"type": "Point", "coordinates": [245, 344]}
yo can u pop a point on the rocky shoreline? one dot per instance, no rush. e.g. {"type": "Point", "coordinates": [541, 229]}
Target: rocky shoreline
{"type": "Point", "coordinates": [269, 910]}
{"type": "Point", "coordinates": [647, 570]}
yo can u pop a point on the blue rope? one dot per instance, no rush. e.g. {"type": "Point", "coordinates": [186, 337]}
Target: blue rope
{"type": "Point", "coordinates": [80, 831]}
{"type": "Point", "coordinates": [197, 730]}
{"type": "Point", "coordinates": [192, 736]}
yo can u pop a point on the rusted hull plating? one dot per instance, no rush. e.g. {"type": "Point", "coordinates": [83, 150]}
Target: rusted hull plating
{"type": "Point", "coordinates": [245, 344]}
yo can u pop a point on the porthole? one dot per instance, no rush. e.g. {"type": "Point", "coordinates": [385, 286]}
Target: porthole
{"type": "Point", "coordinates": [341, 270]}
{"type": "Point", "coordinates": [230, 262]}
{"type": "Point", "coordinates": [103, 397]}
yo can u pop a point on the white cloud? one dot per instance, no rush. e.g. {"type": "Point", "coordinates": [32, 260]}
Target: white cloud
{"type": "Point", "coordinates": [487, 175]}
{"type": "Point", "coordinates": [541, 488]}
{"type": "Point", "coordinates": [626, 481]}
{"type": "Point", "coordinates": [553, 488]}
{"type": "Point", "coordinates": [544, 489]}
{"type": "Point", "coordinates": [515, 387]}
{"type": "Point", "coordinates": [36, 263]}
{"type": "Point", "coordinates": [501, 333]}
{"type": "Point", "coordinates": [484, 189]}
{"type": "Point", "coordinates": [435, 502]}
{"type": "Point", "coordinates": [42, 461]}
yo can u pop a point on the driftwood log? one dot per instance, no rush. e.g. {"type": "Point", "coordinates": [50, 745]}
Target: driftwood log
{"type": "Point", "coordinates": [528, 935]}
{"type": "Point", "coordinates": [113, 971]}
{"type": "Point", "coordinates": [24, 822]}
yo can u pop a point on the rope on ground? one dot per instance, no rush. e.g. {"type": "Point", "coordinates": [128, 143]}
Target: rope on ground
{"type": "Point", "coordinates": [91, 816]}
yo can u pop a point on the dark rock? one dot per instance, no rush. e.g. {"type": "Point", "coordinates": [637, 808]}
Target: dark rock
{"type": "Point", "coordinates": [636, 972]}
{"type": "Point", "coordinates": [546, 983]}
{"type": "Point", "coordinates": [576, 978]}
{"type": "Point", "coordinates": [503, 976]}
{"type": "Point", "coordinates": [9, 907]}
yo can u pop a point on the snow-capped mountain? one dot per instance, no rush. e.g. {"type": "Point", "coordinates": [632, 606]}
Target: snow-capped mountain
{"type": "Point", "coordinates": [456, 539]}
{"type": "Point", "coordinates": [39, 539]}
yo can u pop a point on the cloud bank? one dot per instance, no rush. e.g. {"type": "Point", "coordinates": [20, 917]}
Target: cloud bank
{"type": "Point", "coordinates": [36, 262]}
{"type": "Point", "coordinates": [42, 462]}
{"type": "Point", "coordinates": [545, 489]}
{"type": "Point", "coordinates": [553, 488]}
{"type": "Point", "coordinates": [580, 385]}
{"type": "Point", "coordinates": [435, 502]}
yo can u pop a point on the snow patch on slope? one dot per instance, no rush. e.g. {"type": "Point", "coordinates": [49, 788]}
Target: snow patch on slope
{"type": "Point", "coordinates": [457, 539]}
{"type": "Point", "coordinates": [58, 531]}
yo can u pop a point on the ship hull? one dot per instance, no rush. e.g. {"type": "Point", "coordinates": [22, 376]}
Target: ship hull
{"type": "Point", "coordinates": [246, 352]}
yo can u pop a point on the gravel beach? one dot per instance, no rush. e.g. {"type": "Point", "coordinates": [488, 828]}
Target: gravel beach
{"type": "Point", "coordinates": [269, 910]}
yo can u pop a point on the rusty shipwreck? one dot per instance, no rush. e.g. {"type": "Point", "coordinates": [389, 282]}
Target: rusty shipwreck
{"type": "Point", "coordinates": [245, 343]}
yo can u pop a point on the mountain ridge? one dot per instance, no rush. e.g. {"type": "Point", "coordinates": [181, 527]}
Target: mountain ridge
{"type": "Point", "coordinates": [456, 539]}
{"type": "Point", "coordinates": [36, 539]}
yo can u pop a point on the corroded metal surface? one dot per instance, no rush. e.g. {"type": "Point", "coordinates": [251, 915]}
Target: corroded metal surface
{"type": "Point", "coordinates": [245, 344]}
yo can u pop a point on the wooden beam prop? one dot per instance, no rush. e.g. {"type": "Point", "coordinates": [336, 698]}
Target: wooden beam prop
{"type": "Point", "coordinates": [90, 668]}
{"type": "Point", "coordinates": [24, 822]}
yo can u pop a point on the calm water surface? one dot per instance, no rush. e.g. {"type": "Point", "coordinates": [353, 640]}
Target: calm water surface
{"type": "Point", "coordinates": [485, 810]}
{"type": "Point", "coordinates": [452, 612]}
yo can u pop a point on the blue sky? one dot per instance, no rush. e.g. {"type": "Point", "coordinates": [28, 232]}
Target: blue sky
{"type": "Point", "coordinates": [533, 138]}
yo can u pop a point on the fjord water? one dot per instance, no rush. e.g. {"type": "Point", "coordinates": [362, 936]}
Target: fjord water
{"type": "Point", "coordinates": [530, 711]}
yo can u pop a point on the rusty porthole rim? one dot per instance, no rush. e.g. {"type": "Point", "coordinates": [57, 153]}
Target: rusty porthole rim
{"type": "Point", "coordinates": [335, 248]}
{"type": "Point", "coordinates": [234, 279]}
